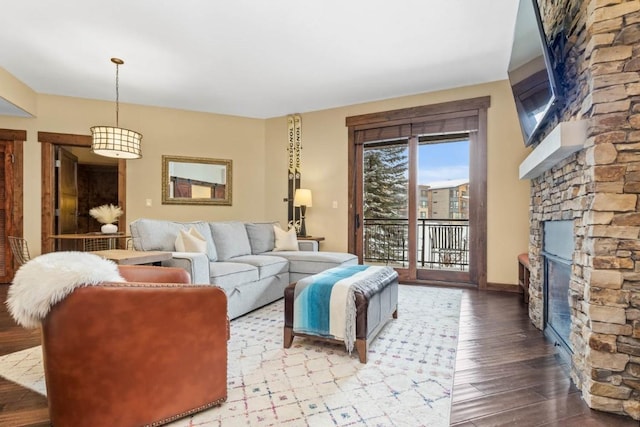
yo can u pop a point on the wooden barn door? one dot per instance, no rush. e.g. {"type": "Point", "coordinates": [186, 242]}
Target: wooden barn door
{"type": "Point", "coordinates": [11, 214]}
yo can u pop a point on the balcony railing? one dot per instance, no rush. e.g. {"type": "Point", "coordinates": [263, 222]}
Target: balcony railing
{"type": "Point", "coordinates": [442, 244]}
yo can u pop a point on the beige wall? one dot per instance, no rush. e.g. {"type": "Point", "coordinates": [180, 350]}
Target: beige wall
{"type": "Point", "coordinates": [17, 93]}
{"type": "Point", "coordinates": [166, 131]}
{"type": "Point", "coordinates": [324, 171]}
{"type": "Point", "coordinates": [258, 150]}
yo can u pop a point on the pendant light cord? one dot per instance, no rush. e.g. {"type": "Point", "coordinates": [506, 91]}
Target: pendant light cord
{"type": "Point", "coordinates": [117, 94]}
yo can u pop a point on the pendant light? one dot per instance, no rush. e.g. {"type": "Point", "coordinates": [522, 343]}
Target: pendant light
{"type": "Point", "coordinates": [112, 141]}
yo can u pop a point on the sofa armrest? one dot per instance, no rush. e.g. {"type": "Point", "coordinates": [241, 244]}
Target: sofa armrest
{"type": "Point", "coordinates": [308, 245]}
{"type": "Point", "coordinates": [107, 346]}
{"type": "Point", "coordinates": [196, 264]}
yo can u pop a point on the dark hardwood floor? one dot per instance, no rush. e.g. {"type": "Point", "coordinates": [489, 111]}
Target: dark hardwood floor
{"type": "Point", "coordinates": [506, 373]}
{"type": "Point", "coordinates": [19, 406]}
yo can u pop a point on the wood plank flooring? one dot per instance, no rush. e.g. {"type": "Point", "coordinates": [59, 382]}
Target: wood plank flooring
{"type": "Point", "coordinates": [19, 406]}
{"type": "Point", "coordinates": [507, 374]}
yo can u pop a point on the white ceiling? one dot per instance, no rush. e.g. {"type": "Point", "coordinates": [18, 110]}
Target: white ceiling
{"type": "Point", "coordinates": [255, 58]}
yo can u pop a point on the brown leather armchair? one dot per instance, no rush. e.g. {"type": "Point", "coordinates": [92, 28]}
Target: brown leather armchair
{"type": "Point", "coordinates": [144, 352]}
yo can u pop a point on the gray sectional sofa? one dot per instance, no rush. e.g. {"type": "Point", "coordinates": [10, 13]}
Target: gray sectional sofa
{"type": "Point", "coordinates": [239, 257]}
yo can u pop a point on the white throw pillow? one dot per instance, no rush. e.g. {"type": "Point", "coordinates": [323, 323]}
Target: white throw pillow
{"type": "Point", "coordinates": [285, 240]}
{"type": "Point", "coordinates": [191, 241]}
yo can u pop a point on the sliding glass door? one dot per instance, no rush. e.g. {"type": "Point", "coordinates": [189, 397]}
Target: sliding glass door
{"type": "Point", "coordinates": [418, 192]}
{"type": "Point", "coordinates": [444, 201]}
{"type": "Point", "coordinates": [436, 236]}
{"type": "Point", "coordinates": [385, 203]}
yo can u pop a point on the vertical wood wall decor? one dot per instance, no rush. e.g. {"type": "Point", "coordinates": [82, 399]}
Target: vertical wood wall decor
{"type": "Point", "coordinates": [294, 170]}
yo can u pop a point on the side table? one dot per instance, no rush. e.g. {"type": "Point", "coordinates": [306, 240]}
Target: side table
{"type": "Point", "coordinates": [317, 239]}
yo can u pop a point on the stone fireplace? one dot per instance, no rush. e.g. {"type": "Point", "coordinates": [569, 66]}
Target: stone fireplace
{"type": "Point", "coordinates": [596, 190]}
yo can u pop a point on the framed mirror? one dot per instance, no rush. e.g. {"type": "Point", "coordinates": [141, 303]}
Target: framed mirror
{"type": "Point", "coordinates": [196, 181]}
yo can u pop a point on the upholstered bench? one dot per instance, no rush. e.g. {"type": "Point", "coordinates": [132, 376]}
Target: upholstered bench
{"type": "Point", "coordinates": [374, 307]}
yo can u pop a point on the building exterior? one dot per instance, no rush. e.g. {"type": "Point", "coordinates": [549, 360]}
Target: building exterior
{"type": "Point", "coordinates": [423, 201]}
{"type": "Point", "coordinates": [444, 200]}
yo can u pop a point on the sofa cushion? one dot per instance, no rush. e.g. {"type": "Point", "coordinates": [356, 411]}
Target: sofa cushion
{"type": "Point", "coordinates": [314, 262]}
{"type": "Point", "coordinates": [228, 275]}
{"type": "Point", "coordinates": [261, 236]}
{"type": "Point", "coordinates": [267, 265]}
{"type": "Point", "coordinates": [230, 238]}
{"type": "Point", "coordinates": [160, 235]}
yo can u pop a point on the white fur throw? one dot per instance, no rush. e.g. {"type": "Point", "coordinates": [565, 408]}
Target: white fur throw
{"type": "Point", "coordinates": [49, 278]}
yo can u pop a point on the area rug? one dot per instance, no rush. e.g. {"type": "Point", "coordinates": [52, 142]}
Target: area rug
{"type": "Point", "coordinates": [407, 381]}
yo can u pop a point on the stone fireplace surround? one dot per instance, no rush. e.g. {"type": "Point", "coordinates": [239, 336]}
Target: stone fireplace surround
{"type": "Point", "coordinates": [597, 189]}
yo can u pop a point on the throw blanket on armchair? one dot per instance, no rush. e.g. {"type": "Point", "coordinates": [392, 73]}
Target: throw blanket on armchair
{"type": "Point", "coordinates": [325, 305]}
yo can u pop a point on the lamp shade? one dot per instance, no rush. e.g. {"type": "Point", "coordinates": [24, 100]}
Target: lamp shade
{"type": "Point", "coordinates": [116, 142]}
{"type": "Point", "coordinates": [302, 197]}
{"type": "Point", "coordinates": [112, 141]}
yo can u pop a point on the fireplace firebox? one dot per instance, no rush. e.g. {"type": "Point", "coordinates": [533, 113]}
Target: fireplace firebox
{"type": "Point", "coordinates": [558, 248]}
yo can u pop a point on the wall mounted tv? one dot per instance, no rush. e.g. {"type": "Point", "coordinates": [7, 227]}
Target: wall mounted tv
{"type": "Point", "coordinates": [532, 72]}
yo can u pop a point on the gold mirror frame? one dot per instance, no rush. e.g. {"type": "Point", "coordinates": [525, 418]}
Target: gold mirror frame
{"type": "Point", "coordinates": [193, 180]}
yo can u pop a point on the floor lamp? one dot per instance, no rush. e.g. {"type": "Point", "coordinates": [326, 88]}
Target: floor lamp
{"type": "Point", "coordinates": [303, 200]}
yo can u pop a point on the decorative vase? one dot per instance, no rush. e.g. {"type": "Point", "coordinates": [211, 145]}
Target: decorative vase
{"type": "Point", "coordinates": [109, 228]}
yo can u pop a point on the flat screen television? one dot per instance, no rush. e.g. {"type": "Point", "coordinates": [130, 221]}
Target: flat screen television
{"type": "Point", "coordinates": [532, 71]}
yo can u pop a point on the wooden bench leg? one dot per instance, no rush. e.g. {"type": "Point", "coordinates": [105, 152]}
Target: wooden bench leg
{"type": "Point", "coordinates": [523, 276]}
{"type": "Point", "coordinates": [361, 347]}
{"type": "Point", "coordinates": [288, 337]}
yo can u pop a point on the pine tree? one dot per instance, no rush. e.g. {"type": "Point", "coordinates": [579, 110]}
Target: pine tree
{"type": "Point", "coordinates": [385, 197]}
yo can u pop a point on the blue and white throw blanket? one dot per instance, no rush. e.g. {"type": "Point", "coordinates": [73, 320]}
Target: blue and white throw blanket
{"type": "Point", "coordinates": [325, 304]}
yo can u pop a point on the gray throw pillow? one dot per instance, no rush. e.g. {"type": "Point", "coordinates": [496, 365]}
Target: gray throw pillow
{"type": "Point", "coordinates": [230, 238]}
{"type": "Point", "coordinates": [261, 236]}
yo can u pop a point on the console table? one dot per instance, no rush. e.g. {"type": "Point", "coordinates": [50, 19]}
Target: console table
{"type": "Point", "coordinates": [128, 257]}
{"type": "Point", "coordinates": [91, 241]}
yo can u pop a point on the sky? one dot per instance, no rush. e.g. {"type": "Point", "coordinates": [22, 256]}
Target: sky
{"type": "Point", "coordinates": [442, 162]}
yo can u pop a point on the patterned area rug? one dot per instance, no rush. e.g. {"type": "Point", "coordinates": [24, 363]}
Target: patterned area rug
{"type": "Point", "coordinates": [407, 381]}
